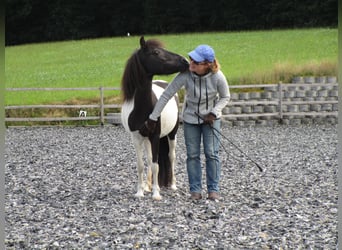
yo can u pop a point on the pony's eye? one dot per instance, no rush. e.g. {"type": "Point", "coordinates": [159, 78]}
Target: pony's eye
{"type": "Point", "coordinates": [156, 52]}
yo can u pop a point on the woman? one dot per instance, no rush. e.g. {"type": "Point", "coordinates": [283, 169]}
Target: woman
{"type": "Point", "coordinates": [207, 93]}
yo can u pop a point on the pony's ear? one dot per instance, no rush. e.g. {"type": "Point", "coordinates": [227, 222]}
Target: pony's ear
{"type": "Point", "coordinates": [142, 42]}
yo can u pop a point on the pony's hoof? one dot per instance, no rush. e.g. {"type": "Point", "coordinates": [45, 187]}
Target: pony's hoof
{"type": "Point", "coordinates": [139, 194]}
{"type": "Point", "coordinates": [173, 187]}
{"type": "Point", "coordinates": [156, 197]}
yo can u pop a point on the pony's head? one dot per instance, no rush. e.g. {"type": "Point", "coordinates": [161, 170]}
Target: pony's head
{"type": "Point", "coordinates": [156, 60]}
{"type": "Point", "coordinates": [150, 59]}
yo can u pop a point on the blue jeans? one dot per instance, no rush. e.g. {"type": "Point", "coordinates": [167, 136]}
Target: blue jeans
{"type": "Point", "coordinates": [193, 133]}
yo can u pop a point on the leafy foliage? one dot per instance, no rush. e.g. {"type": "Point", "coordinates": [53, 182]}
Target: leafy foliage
{"type": "Point", "coordinates": [29, 21]}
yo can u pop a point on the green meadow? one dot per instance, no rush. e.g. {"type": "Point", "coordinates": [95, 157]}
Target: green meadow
{"type": "Point", "coordinates": [245, 58]}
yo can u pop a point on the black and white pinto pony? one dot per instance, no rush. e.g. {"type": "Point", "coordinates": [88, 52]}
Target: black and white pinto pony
{"type": "Point", "coordinates": [140, 93]}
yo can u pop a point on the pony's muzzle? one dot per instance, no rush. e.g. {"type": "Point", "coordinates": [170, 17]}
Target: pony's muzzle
{"type": "Point", "coordinates": [185, 64]}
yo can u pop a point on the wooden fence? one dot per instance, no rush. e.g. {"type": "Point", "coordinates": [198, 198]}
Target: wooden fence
{"type": "Point", "coordinates": [101, 106]}
{"type": "Point", "coordinates": [279, 101]}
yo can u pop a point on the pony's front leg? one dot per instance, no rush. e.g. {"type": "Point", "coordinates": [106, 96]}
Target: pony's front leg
{"type": "Point", "coordinates": [140, 167]}
{"type": "Point", "coordinates": [172, 156]}
{"type": "Point", "coordinates": [154, 146]}
{"type": "Point", "coordinates": [148, 187]}
{"type": "Point", "coordinates": [155, 187]}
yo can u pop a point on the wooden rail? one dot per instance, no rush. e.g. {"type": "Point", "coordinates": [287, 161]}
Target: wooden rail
{"type": "Point", "coordinates": [280, 102]}
{"type": "Point", "coordinates": [100, 106]}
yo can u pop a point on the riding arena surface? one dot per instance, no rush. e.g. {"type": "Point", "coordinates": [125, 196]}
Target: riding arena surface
{"type": "Point", "coordinates": [73, 188]}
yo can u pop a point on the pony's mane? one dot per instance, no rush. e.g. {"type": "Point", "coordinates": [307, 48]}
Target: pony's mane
{"type": "Point", "coordinates": [154, 43]}
{"type": "Point", "coordinates": [131, 76]}
{"type": "Point", "coordinates": [134, 70]}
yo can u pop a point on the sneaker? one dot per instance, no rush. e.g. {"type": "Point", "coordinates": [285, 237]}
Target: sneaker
{"type": "Point", "coordinates": [213, 196]}
{"type": "Point", "coordinates": [196, 196]}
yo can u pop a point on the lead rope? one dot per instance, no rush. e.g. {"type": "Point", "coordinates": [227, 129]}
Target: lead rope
{"type": "Point", "coordinates": [216, 130]}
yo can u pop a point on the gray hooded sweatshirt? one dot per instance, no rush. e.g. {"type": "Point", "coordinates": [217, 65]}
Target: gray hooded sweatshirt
{"type": "Point", "coordinates": [204, 94]}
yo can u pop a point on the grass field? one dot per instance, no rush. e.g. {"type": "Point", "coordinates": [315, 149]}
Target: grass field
{"type": "Point", "coordinates": [245, 57]}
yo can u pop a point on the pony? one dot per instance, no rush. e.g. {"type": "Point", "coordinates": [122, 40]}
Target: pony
{"type": "Point", "coordinates": [140, 93]}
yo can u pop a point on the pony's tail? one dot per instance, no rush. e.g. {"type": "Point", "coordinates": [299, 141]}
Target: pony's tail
{"type": "Point", "coordinates": [165, 173]}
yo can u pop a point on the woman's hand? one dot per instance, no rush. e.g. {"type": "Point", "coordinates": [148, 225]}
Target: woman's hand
{"type": "Point", "coordinates": [148, 127]}
{"type": "Point", "coordinates": [209, 119]}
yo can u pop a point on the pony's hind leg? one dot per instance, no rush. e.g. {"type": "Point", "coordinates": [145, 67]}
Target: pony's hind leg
{"type": "Point", "coordinates": [172, 156]}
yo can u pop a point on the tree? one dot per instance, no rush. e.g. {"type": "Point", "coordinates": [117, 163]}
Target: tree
{"type": "Point", "coordinates": [40, 20]}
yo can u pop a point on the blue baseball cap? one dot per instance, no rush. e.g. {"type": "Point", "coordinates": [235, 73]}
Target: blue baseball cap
{"type": "Point", "coordinates": [202, 53]}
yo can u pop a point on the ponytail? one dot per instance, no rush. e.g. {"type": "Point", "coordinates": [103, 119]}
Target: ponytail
{"type": "Point", "coordinates": [215, 66]}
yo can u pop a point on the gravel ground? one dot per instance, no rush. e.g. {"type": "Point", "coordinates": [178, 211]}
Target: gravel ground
{"type": "Point", "coordinates": [73, 187]}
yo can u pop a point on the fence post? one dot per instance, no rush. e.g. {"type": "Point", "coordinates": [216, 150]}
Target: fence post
{"type": "Point", "coordinates": [280, 104]}
{"type": "Point", "coordinates": [101, 106]}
